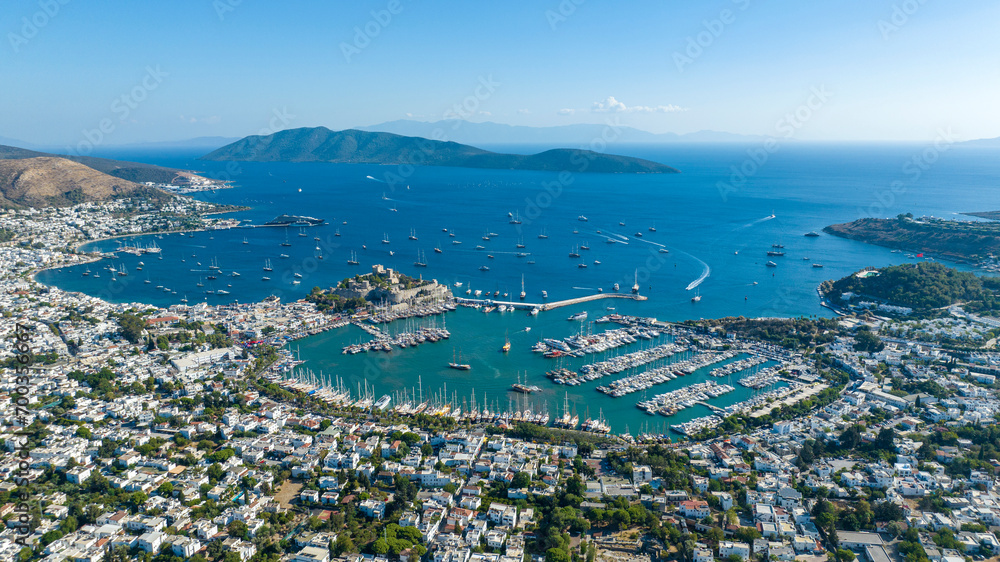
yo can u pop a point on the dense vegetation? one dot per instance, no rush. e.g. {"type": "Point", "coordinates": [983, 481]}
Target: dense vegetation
{"type": "Point", "coordinates": [920, 286]}
{"type": "Point", "coordinates": [788, 332]}
{"type": "Point", "coordinates": [953, 239]}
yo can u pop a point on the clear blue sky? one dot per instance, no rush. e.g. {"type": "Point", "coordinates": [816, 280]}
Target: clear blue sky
{"type": "Point", "coordinates": [937, 66]}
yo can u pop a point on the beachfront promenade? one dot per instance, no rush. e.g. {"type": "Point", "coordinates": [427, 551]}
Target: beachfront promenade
{"type": "Point", "coordinates": [551, 305]}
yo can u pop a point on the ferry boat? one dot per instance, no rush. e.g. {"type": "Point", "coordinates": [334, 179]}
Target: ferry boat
{"type": "Point", "coordinates": [578, 316]}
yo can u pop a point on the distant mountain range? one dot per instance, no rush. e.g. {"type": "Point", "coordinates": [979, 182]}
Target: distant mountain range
{"type": "Point", "coordinates": [983, 142]}
{"type": "Point", "coordinates": [468, 132]}
{"type": "Point", "coordinates": [320, 144]}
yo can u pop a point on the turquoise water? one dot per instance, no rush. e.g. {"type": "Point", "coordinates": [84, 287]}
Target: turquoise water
{"type": "Point", "coordinates": [716, 238]}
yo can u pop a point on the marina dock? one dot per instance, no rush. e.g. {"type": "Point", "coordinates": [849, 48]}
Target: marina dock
{"type": "Point", "coordinates": [550, 305]}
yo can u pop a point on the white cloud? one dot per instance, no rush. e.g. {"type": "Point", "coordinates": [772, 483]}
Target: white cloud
{"type": "Point", "coordinates": [523, 112]}
{"type": "Point", "coordinates": [566, 111]}
{"type": "Point", "coordinates": [485, 113]}
{"type": "Point", "coordinates": [611, 105]}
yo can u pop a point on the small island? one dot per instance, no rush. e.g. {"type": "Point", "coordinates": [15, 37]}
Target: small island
{"type": "Point", "coordinates": [319, 144]}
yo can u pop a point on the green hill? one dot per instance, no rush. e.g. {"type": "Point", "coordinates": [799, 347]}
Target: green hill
{"type": "Point", "coordinates": [921, 286]}
{"type": "Point", "coordinates": [351, 146]}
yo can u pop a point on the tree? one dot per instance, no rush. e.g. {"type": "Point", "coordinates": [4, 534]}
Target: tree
{"type": "Point", "coordinates": [214, 550]}
{"type": "Point", "coordinates": [83, 432]}
{"type": "Point", "coordinates": [556, 555]}
{"type": "Point", "coordinates": [884, 440]}
{"type": "Point", "coordinates": [715, 535]}
{"type": "Point", "coordinates": [850, 438]}
{"type": "Point", "coordinates": [844, 555]}
{"type": "Point", "coordinates": [381, 547]}
{"type": "Point", "coordinates": [215, 472]}
{"type": "Point", "coordinates": [343, 544]}
{"type": "Point", "coordinates": [520, 480]}
{"type": "Point", "coordinates": [237, 529]}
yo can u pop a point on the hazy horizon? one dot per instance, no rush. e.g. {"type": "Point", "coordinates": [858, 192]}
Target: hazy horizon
{"type": "Point", "coordinates": [112, 75]}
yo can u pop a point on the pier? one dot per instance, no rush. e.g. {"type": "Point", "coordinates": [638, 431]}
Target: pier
{"type": "Point", "coordinates": [551, 305]}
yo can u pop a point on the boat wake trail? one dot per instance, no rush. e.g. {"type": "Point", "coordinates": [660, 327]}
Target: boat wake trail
{"type": "Point", "coordinates": [758, 221]}
{"type": "Point", "coordinates": [375, 179]}
{"type": "Point", "coordinates": [705, 271]}
{"type": "Point", "coordinates": [585, 288]}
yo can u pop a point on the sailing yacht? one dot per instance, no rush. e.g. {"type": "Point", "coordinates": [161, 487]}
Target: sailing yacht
{"type": "Point", "coordinates": [421, 260]}
{"type": "Point", "coordinates": [413, 234]}
{"type": "Point", "coordinates": [245, 241]}
{"type": "Point", "coordinates": [459, 366]}
{"type": "Point", "coordinates": [385, 238]}
{"type": "Point", "coordinates": [267, 265]}
{"type": "Point", "coordinates": [354, 259]}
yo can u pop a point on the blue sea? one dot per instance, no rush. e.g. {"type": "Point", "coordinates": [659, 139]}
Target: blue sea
{"type": "Point", "coordinates": [716, 220]}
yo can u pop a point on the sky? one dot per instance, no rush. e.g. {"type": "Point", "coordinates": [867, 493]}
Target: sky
{"type": "Point", "coordinates": [116, 72]}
